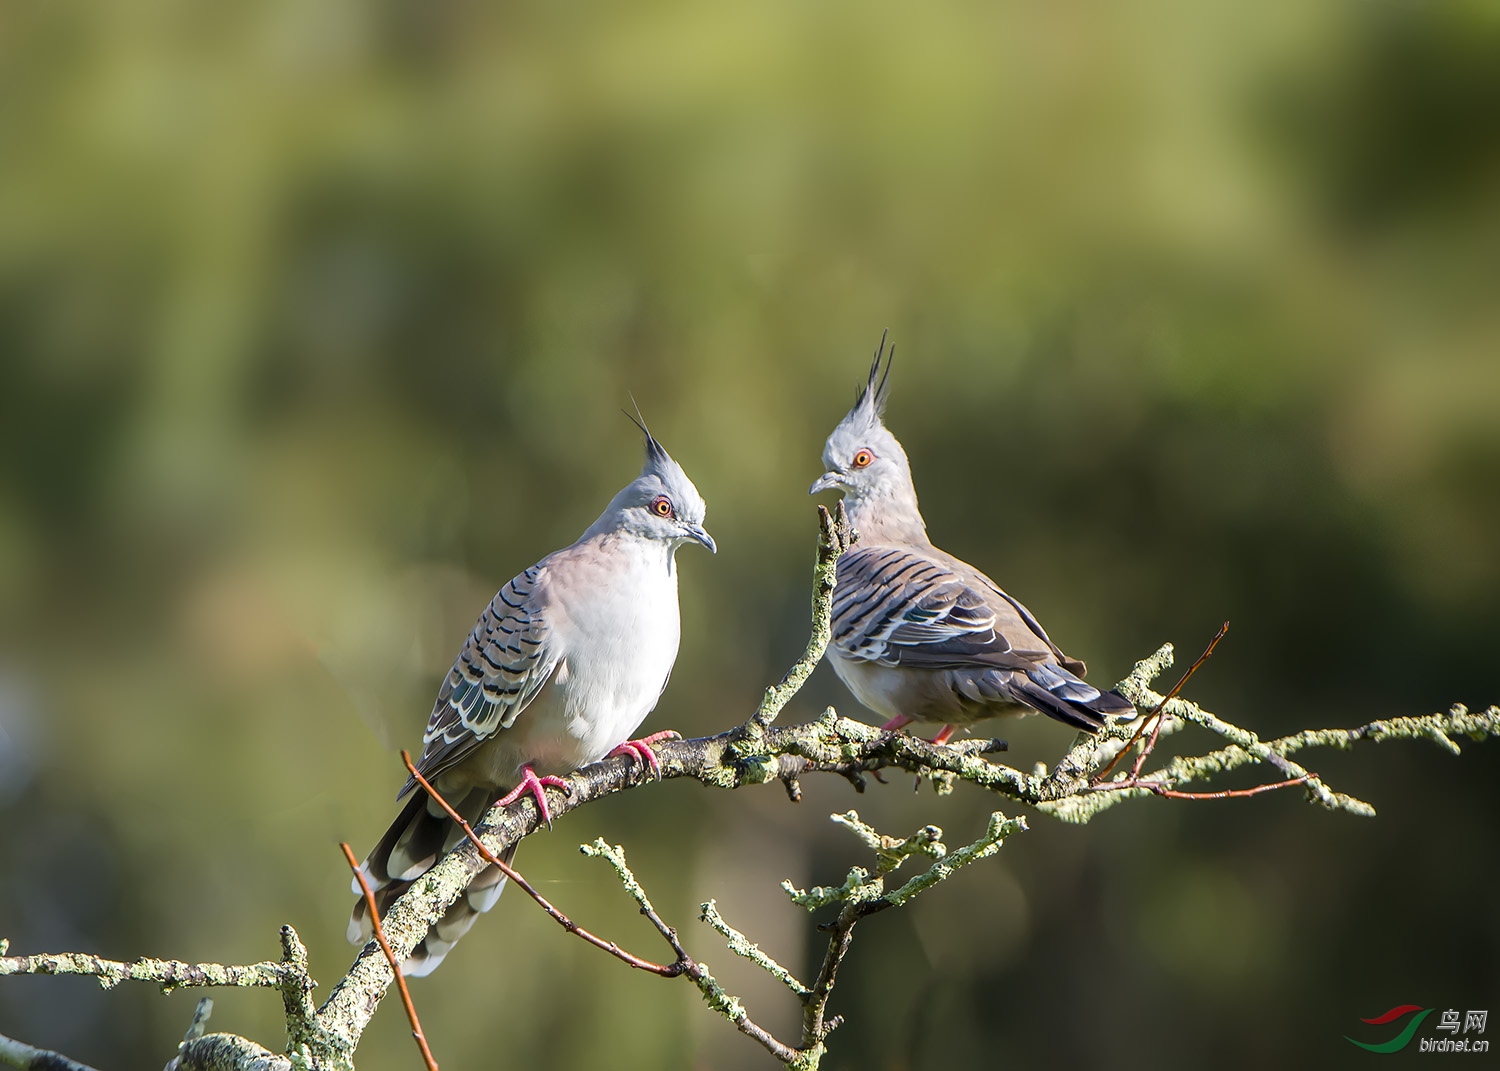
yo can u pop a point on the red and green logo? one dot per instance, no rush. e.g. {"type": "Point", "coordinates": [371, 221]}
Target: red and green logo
{"type": "Point", "coordinates": [1401, 1040]}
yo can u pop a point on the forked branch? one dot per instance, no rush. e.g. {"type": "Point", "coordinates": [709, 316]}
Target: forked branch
{"type": "Point", "coordinates": [759, 751]}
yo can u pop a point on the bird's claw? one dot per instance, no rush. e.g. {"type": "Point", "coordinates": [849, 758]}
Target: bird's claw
{"type": "Point", "coordinates": [640, 750]}
{"type": "Point", "coordinates": [537, 786]}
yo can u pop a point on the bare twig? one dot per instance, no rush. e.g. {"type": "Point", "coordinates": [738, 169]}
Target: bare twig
{"type": "Point", "coordinates": [385, 946]}
{"type": "Point", "coordinates": [1176, 688]}
{"type": "Point", "coordinates": [1228, 794]}
{"type": "Point", "coordinates": [1157, 788]}
{"type": "Point", "coordinates": [1155, 713]}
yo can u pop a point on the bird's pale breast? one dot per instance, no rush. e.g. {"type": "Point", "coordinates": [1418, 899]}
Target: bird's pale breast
{"type": "Point", "coordinates": [618, 629]}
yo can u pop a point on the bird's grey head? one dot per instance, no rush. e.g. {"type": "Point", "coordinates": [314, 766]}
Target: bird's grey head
{"type": "Point", "coordinates": [864, 460]}
{"type": "Point", "coordinates": [661, 503]}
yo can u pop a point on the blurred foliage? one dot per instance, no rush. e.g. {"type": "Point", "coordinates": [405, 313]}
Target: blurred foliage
{"type": "Point", "coordinates": [314, 322]}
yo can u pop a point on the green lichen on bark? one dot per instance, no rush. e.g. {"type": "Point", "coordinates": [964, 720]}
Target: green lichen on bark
{"type": "Point", "coordinates": [1070, 794]}
{"type": "Point", "coordinates": [20, 1055]}
{"type": "Point", "coordinates": [947, 865]}
{"type": "Point", "coordinates": [861, 887]}
{"type": "Point", "coordinates": [742, 946]}
{"type": "Point", "coordinates": [169, 974]}
{"type": "Point", "coordinates": [714, 995]}
{"type": "Point", "coordinates": [835, 537]}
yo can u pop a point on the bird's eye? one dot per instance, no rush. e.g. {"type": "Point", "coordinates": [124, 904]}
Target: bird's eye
{"type": "Point", "coordinates": [661, 506]}
{"type": "Point", "coordinates": [862, 458]}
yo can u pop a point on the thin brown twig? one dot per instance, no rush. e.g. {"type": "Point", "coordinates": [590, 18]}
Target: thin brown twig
{"type": "Point", "coordinates": [666, 970]}
{"type": "Point", "coordinates": [1227, 794]}
{"type": "Point", "coordinates": [1102, 774]}
{"type": "Point", "coordinates": [1159, 788]}
{"type": "Point", "coordinates": [411, 1009]}
{"type": "Point", "coordinates": [1156, 713]}
{"type": "Point", "coordinates": [1140, 760]}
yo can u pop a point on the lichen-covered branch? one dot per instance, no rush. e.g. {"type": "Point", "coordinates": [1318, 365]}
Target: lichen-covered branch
{"type": "Point", "coordinates": [1074, 794]}
{"type": "Point", "coordinates": [170, 974]}
{"type": "Point", "coordinates": [1000, 827]}
{"type": "Point", "coordinates": [212, 1052]}
{"type": "Point", "coordinates": [742, 946]}
{"type": "Point", "coordinates": [230, 1052]}
{"type": "Point", "coordinates": [861, 895]}
{"type": "Point", "coordinates": [714, 994]}
{"type": "Point", "coordinates": [1081, 785]}
{"type": "Point", "coordinates": [17, 1054]}
{"type": "Point", "coordinates": [835, 537]}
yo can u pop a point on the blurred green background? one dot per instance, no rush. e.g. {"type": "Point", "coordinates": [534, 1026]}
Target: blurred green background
{"type": "Point", "coordinates": [315, 322]}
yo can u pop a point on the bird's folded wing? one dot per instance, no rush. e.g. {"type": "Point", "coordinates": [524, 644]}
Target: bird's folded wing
{"type": "Point", "coordinates": [504, 663]}
{"type": "Point", "coordinates": [1072, 665]}
{"type": "Point", "coordinates": [902, 607]}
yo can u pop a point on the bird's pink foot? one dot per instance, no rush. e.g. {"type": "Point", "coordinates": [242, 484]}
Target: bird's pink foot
{"type": "Point", "coordinates": [640, 750]}
{"type": "Point", "coordinates": [900, 721]}
{"type": "Point", "coordinates": [537, 786]}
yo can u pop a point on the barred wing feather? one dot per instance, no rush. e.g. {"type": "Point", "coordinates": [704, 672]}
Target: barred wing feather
{"type": "Point", "coordinates": [901, 608]}
{"type": "Point", "coordinates": [925, 610]}
{"type": "Point", "coordinates": [503, 665]}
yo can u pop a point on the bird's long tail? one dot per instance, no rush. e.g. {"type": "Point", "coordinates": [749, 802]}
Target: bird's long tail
{"type": "Point", "coordinates": [1059, 694]}
{"type": "Point", "coordinates": [419, 835]}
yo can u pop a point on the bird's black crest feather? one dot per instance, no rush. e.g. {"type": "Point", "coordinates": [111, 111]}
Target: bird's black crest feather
{"type": "Point", "coordinates": [873, 394]}
{"type": "Point", "coordinates": [654, 449]}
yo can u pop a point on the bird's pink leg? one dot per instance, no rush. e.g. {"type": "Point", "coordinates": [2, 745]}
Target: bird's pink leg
{"type": "Point", "coordinates": [901, 721]}
{"type": "Point", "coordinates": [640, 750]}
{"type": "Point", "coordinates": [530, 782]}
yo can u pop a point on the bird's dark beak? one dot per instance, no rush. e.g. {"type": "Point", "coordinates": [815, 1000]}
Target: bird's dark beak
{"type": "Point", "coordinates": [826, 482]}
{"type": "Point", "coordinates": [699, 534]}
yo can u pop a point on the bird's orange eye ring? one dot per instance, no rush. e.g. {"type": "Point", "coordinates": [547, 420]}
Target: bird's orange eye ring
{"type": "Point", "coordinates": [862, 458]}
{"type": "Point", "coordinates": [661, 506]}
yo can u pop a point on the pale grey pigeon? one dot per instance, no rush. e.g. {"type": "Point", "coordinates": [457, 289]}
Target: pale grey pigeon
{"type": "Point", "coordinates": [560, 669]}
{"type": "Point", "coordinates": [919, 635]}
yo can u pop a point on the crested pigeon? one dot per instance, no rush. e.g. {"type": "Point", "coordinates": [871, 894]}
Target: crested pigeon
{"type": "Point", "coordinates": [919, 635]}
{"type": "Point", "coordinates": [559, 670]}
